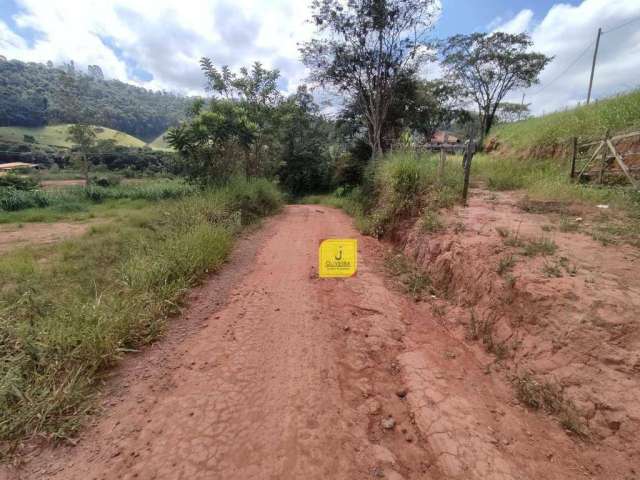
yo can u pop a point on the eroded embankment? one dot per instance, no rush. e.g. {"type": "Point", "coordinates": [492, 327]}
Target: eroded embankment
{"type": "Point", "coordinates": [558, 312]}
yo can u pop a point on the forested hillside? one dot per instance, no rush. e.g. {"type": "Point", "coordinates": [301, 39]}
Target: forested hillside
{"type": "Point", "coordinates": [33, 95]}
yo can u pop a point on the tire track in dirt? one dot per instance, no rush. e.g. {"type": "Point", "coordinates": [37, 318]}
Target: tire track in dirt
{"type": "Point", "coordinates": [297, 377]}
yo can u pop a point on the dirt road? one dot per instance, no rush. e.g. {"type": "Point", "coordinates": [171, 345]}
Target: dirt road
{"type": "Point", "coordinates": [276, 374]}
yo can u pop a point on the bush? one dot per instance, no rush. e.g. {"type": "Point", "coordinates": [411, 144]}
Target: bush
{"type": "Point", "coordinates": [401, 185]}
{"type": "Point", "coordinates": [106, 180]}
{"type": "Point", "coordinates": [18, 182]}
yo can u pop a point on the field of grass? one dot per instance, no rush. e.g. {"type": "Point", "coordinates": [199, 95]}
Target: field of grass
{"type": "Point", "coordinates": [56, 135]}
{"type": "Point", "coordinates": [537, 137]}
{"type": "Point", "coordinates": [70, 310]}
{"type": "Point", "coordinates": [160, 143]}
{"type": "Point", "coordinates": [548, 180]}
{"type": "Point", "coordinates": [50, 205]}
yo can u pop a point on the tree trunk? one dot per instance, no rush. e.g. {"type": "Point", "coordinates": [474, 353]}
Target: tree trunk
{"type": "Point", "coordinates": [85, 169]}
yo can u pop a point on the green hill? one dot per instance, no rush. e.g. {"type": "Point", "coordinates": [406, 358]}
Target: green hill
{"type": "Point", "coordinates": [545, 136]}
{"type": "Point", "coordinates": [160, 143]}
{"type": "Point", "coordinates": [56, 135]}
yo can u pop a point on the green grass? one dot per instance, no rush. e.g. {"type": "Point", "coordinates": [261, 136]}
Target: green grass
{"type": "Point", "coordinates": [71, 310]}
{"type": "Point", "coordinates": [539, 246]}
{"type": "Point", "coordinates": [541, 395]}
{"type": "Point", "coordinates": [54, 204]}
{"type": "Point", "coordinates": [542, 136]}
{"type": "Point", "coordinates": [506, 264]}
{"type": "Point", "coordinates": [159, 143]}
{"type": "Point", "coordinates": [399, 186]}
{"type": "Point", "coordinates": [56, 135]}
{"type": "Point", "coordinates": [550, 190]}
{"type": "Point", "coordinates": [407, 275]}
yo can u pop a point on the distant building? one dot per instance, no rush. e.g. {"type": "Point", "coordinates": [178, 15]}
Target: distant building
{"type": "Point", "coordinates": [442, 137]}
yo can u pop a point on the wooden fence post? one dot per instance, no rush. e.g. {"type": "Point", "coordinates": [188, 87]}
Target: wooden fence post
{"type": "Point", "coordinates": [574, 156]}
{"type": "Point", "coordinates": [605, 154]}
{"type": "Point", "coordinates": [466, 164]}
{"type": "Point", "coordinates": [443, 158]}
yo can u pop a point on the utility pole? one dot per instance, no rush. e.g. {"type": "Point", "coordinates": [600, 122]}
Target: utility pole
{"type": "Point", "coordinates": [593, 65]}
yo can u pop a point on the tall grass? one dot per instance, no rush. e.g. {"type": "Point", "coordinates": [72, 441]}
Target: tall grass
{"type": "Point", "coordinates": [69, 311]}
{"type": "Point", "coordinates": [537, 137]}
{"type": "Point", "coordinates": [548, 180]}
{"type": "Point", "coordinates": [398, 186]}
{"type": "Point", "coordinates": [14, 200]}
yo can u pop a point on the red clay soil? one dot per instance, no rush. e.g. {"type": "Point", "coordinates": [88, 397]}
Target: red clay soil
{"type": "Point", "coordinates": [274, 373]}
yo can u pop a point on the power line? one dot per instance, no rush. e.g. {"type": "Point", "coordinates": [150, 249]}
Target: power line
{"type": "Point", "coordinates": [621, 26]}
{"type": "Point", "coordinates": [577, 59]}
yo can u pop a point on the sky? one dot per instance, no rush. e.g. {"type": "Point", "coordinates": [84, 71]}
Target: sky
{"type": "Point", "coordinates": [157, 43]}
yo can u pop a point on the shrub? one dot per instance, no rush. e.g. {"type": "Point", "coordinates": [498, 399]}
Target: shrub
{"type": "Point", "coordinates": [19, 182]}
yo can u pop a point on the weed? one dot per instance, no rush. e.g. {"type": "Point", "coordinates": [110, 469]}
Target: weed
{"type": "Point", "coordinates": [570, 268]}
{"type": "Point", "coordinates": [510, 281]}
{"type": "Point", "coordinates": [407, 274]}
{"type": "Point", "coordinates": [551, 270]}
{"type": "Point", "coordinates": [506, 264]}
{"type": "Point", "coordinates": [472, 327]}
{"type": "Point", "coordinates": [459, 227]}
{"type": "Point", "coordinates": [548, 397]}
{"type": "Point", "coordinates": [539, 246]}
{"type": "Point", "coordinates": [504, 232]}
{"type": "Point", "coordinates": [431, 222]}
{"type": "Point", "coordinates": [567, 225]}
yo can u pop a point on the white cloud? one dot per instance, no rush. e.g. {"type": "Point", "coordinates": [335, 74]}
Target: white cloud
{"type": "Point", "coordinates": [163, 37]}
{"type": "Point", "coordinates": [518, 24]}
{"type": "Point", "coordinates": [567, 31]}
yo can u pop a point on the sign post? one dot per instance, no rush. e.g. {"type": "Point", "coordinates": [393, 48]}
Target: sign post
{"type": "Point", "coordinates": [338, 257]}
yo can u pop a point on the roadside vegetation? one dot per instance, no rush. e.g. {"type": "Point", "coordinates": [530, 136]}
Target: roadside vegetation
{"type": "Point", "coordinates": [396, 187]}
{"type": "Point", "coordinates": [550, 190]}
{"type": "Point", "coordinates": [540, 137]}
{"type": "Point", "coordinates": [29, 205]}
{"type": "Point", "coordinates": [70, 310]}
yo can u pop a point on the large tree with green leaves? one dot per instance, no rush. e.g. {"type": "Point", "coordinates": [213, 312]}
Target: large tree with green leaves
{"type": "Point", "coordinates": [365, 47]}
{"type": "Point", "coordinates": [305, 140]}
{"type": "Point", "coordinates": [256, 90]}
{"type": "Point", "coordinates": [487, 67]}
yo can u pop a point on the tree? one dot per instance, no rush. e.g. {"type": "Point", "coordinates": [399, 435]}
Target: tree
{"type": "Point", "coordinates": [487, 67]}
{"type": "Point", "coordinates": [257, 91]}
{"type": "Point", "coordinates": [512, 112]}
{"type": "Point", "coordinates": [211, 142]}
{"type": "Point", "coordinates": [303, 138]}
{"type": "Point", "coordinates": [84, 138]}
{"type": "Point", "coordinates": [364, 48]}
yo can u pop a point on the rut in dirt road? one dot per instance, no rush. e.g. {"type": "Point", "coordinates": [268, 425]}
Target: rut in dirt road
{"type": "Point", "coordinates": [295, 377]}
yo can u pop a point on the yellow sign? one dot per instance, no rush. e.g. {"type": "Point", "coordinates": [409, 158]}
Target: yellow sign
{"type": "Point", "coordinates": [338, 257]}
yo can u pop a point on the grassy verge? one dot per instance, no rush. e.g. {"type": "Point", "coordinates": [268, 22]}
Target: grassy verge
{"type": "Point", "coordinates": [71, 310]}
{"type": "Point", "coordinates": [547, 182]}
{"type": "Point", "coordinates": [399, 186]}
{"type": "Point", "coordinates": [77, 202]}
{"type": "Point", "coordinates": [539, 136]}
